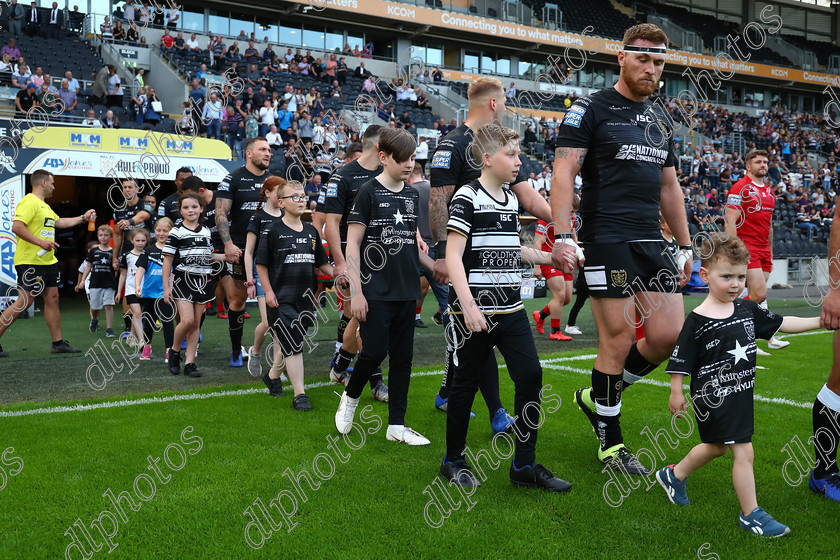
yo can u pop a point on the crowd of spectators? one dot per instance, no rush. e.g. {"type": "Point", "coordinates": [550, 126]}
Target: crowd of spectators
{"type": "Point", "coordinates": [237, 95]}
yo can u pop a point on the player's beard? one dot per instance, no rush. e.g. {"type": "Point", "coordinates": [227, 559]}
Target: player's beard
{"type": "Point", "coordinates": [640, 88]}
{"type": "Point", "coordinates": [259, 164]}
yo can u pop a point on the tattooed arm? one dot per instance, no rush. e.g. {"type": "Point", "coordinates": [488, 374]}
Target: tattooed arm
{"type": "Point", "coordinates": [223, 205]}
{"type": "Point", "coordinates": [567, 164]}
{"type": "Point", "coordinates": [438, 217]}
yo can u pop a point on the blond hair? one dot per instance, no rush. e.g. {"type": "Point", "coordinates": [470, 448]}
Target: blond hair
{"type": "Point", "coordinates": [483, 88]}
{"type": "Point", "coordinates": [490, 138]}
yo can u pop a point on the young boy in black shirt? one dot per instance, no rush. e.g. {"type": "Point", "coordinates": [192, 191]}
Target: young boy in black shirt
{"type": "Point", "coordinates": [484, 262]}
{"type": "Point", "coordinates": [287, 256]}
{"type": "Point", "coordinates": [383, 256]}
{"type": "Point", "coordinates": [716, 347]}
{"type": "Point", "coordinates": [103, 281]}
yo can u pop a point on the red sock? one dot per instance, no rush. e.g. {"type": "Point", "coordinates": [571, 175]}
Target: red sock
{"type": "Point", "coordinates": [546, 311]}
{"type": "Point", "coordinates": [555, 324]}
{"type": "Point", "coordinates": [220, 307]}
{"type": "Point", "coordinates": [419, 309]}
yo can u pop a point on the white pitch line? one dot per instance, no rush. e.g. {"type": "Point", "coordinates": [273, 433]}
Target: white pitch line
{"type": "Point", "coordinates": [809, 333]}
{"type": "Point", "coordinates": [549, 364]}
{"type": "Point", "coordinates": [760, 398]}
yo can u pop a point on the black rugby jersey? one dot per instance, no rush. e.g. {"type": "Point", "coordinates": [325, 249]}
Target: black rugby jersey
{"type": "Point", "coordinates": [129, 212]}
{"type": "Point", "coordinates": [340, 192]}
{"type": "Point", "coordinates": [453, 163]}
{"type": "Point", "coordinates": [390, 267]}
{"type": "Point", "coordinates": [101, 269]}
{"type": "Point", "coordinates": [622, 171]}
{"type": "Point", "coordinates": [259, 221]}
{"type": "Point", "coordinates": [493, 257]}
{"type": "Point", "coordinates": [242, 188]}
{"type": "Point", "coordinates": [168, 208]}
{"type": "Point", "coordinates": [719, 355]}
{"type": "Point", "coordinates": [291, 258]}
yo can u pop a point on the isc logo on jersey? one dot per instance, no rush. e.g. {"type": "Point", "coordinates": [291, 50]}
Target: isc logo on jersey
{"type": "Point", "coordinates": [442, 159]}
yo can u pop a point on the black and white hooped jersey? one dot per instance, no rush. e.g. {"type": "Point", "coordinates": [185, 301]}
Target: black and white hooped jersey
{"type": "Point", "coordinates": [622, 170]}
{"type": "Point", "coordinates": [191, 249]}
{"type": "Point", "coordinates": [128, 261]}
{"type": "Point", "coordinates": [242, 188]}
{"type": "Point", "coordinates": [390, 267]}
{"type": "Point", "coordinates": [493, 257]}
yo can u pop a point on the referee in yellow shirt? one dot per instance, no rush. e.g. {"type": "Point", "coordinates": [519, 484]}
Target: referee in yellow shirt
{"type": "Point", "coordinates": [35, 263]}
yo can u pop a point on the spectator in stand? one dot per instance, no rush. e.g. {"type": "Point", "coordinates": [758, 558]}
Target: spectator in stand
{"type": "Point", "coordinates": [173, 17]}
{"type": "Point", "coordinates": [362, 72]}
{"type": "Point", "coordinates": [423, 101]}
{"type": "Point", "coordinates": [421, 155]}
{"type": "Point", "coordinates": [180, 44]}
{"type": "Point", "coordinates": [105, 29]}
{"type": "Point", "coordinates": [139, 105]}
{"type": "Point", "coordinates": [192, 43]}
{"type": "Point", "coordinates": [341, 71]}
{"type": "Point", "coordinates": [152, 101]}
{"type": "Point", "coordinates": [11, 50]}
{"type": "Point", "coordinates": [252, 55]}
{"type": "Point", "coordinates": [274, 139]}
{"type": "Point", "coordinates": [38, 77]}
{"type": "Point", "coordinates": [110, 120]}
{"type": "Point", "coordinates": [313, 190]}
{"type": "Point", "coordinates": [33, 20]}
{"type": "Point", "coordinates": [405, 121]}
{"type": "Point", "coordinates": [217, 52]}
{"type": "Point", "coordinates": [21, 77]}
{"type": "Point", "coordinates": [233, 52]}
{"type": "Point", "coordinates": [15, 17]}
{"type": "Point", "coordinates": [369, 85]}
{"type": "Point", "coordinates": [510, 92]}
{"type": "Point", "coordinates": [437, 75]}
{"type": "Point", "coordinates": [132, 34]}
{"type": "Point", "coordinates": [68, 97]}
{"type": "Point", "coordinates": [212, 115]}
{"type": "Point", "coordinates": [242, 36]}
{"type": "Point", "coordinates": [234, 131]}
{"type": "Point", "coordinates": [269, 54]}
{"type": "Point", "coordinates": [118, 31]}
{"type": "Point", "coordinates": [128, 10]}
{"type": "Point", "coordinates": [335, 90]}
{"type": "Point", "coordinates": [252, 78]}
{"type": "Point", "coordinates": [115, 90]}
{"type": "Point", "coordinates": [145, 14]}
{"type": "Point", "coordinates": [317, 106]}
{"type": "Point", "coordinates": [268, 117]}
{"type": "Point", "coordinates": [91, 120]}
{"type": "Point", "coordinates": [167, 42]}
{"type": "Point", "coordinates": [139, 78]}
{"type": "Point", "coordinates": [25, 100]}
{"type": "Point", "coordinates": [99, 89]}
{"type": "Point", "coordinates": [265, 80]}
{"type": "Point", "coordinates": [185, 126]}
{"type": "Point", "coordinates": [305, 127]}
{"type": "Point", "coordinates": [55, 21]}
{"type": "Point", "coordinates": [285, 117]}
{"type": "Point", "coordinates": [202, 72]}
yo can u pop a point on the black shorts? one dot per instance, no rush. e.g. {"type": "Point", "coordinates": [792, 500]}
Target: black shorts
{"type": "Point", "coordinates": [620, 270]}
{"type": "Point", "coordinates": [237, 269]}
{"type": "Point", "coordinates": [289, 326]}
{"type": "Point", "coordinates": [132, 299]}
{"type": "Point", "coordinates": [37, 277]}
{"type": "Point", "coordinates": [195, 288]}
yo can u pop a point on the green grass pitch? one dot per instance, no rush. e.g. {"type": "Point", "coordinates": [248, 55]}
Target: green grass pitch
{"type": "Point", "coordinates": [204, 460]}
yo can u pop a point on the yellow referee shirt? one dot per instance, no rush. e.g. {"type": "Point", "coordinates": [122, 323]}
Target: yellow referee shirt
{"type": "Point", "coordinates": [40, 221]}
